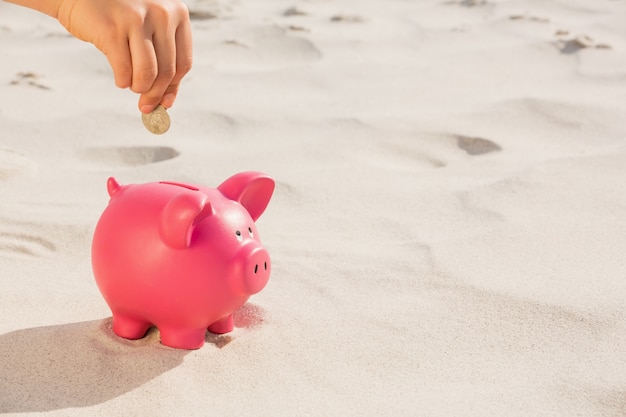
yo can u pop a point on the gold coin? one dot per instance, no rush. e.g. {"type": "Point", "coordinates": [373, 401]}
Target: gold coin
{"type": "Point", "coordinates": [157, 121]}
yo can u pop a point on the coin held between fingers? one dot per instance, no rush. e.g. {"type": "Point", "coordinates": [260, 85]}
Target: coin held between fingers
{"type": "Point", "coordinates": [157, 121]}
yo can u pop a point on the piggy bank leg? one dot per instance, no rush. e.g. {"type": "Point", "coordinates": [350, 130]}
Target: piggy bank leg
{"type": "Point", "coordinates": [129, 328]}
{"type": "Point", "coordinates": [223, 325]}
{"type": "Point", "coordinates": [182, 338]}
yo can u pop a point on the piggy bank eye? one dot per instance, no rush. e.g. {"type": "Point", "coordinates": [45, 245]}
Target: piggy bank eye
{"type": "Point", "coordinates": [250, 232]}
{"type": "Point", "coordinates": [239, 236]}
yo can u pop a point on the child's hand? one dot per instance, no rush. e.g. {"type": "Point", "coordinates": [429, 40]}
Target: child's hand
{"type": "Point", "coordinates": [147, 42]}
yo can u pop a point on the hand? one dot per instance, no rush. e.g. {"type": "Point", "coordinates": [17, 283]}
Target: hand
{"type": "Point", "coordinates": [147, 42]}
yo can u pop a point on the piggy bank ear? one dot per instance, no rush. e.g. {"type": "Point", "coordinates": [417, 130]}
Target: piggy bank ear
{"type": "Point", "coordinates": [180, 215]}
{"type": "Point", "coordinates": [113, 186]}
{"type": "Point", "coordinates": [252, 190]}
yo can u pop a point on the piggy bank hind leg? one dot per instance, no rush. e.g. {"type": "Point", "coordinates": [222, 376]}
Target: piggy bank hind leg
{"type": "Point", "coordinates": [129, 328]}
{"type": "Point", "coordinates": [182, 338]}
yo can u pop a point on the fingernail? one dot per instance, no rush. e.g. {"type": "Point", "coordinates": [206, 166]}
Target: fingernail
{"type": "Point", "coordinates": [146, 108]}
{"type": "Point", "coordinates": [168, 100]}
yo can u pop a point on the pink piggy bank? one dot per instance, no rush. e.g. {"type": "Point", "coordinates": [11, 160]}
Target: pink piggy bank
{"type": "Point", "coordinates": [181, 257]}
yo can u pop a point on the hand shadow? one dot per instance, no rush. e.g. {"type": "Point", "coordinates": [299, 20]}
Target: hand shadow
{"type": "Point", "coordinates": [76, 365]}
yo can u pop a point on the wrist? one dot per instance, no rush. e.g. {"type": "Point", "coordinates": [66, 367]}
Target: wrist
{"type": "Point", "coordinates": [49, 7]}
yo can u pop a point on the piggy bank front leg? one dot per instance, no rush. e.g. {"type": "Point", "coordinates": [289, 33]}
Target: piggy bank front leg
{"type": "Point", "coordinates": [223, 325]}
{"type": "Point", "coordinates": [182, 338]}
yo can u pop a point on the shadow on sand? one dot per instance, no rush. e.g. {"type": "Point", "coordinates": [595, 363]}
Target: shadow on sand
{"type": "Point", "coordinates": [84, 364]}
{"type": "Point", "coordinates": [76, 365]}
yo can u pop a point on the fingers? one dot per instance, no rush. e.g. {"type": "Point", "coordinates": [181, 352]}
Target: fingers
{"type": "Point", "coordinates": [160, 60]}
{"type": "Point", "coordinates": [144, 61]}
{"type": "Point", "coordinates": [184, 61]}
{"type": "Point", "coordinates": [120, 61]}
{"type": "Point", "coordinates": [147, 42]}
{"type": "Point", "coordinates": [154, 71]}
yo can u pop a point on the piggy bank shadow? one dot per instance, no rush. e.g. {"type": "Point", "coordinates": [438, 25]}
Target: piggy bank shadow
{"type": "Point", "coordinates": [84, 364]}
{"type": "Point", "coordinates": [76, 365]}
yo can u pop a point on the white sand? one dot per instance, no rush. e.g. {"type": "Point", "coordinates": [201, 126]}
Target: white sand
{"type": "Point", "coordinates": [448, 232]}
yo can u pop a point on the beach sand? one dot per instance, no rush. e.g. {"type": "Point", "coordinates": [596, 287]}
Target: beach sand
{"type": "Point", "coordinates": [448, 230]}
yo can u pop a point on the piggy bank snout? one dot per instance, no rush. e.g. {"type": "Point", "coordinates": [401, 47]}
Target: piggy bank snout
{"type": "Point", "coordinates": [257, 267]}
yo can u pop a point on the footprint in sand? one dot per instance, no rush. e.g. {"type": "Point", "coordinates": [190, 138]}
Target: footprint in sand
{"type": "Point", "coordinates": [476, 146]}
{"type": "Point", "coordinates": [296, 28]}
{"type": "Point", "coordinates": [529, 18]}
{"type": "Point", "coordinates": [266, 47]}
{"type": "Point", "coordinates": [294, 11]}
{"type": "Point", "coordinates": [468, 3]}
{"type": "Point", "coordinates": [573, 45]}
{"type": "Point", "coordinates": [13, 163]}
{"type": "Point", "coordinates": [347, 19]}
{"type": "Point", "coordinates": [200, 10]}
{"type": "Point", "coordinates": [195, 14]}
{"type": "Point", "coordinates": [129, 156]}
{"type": "Point", "coordinates": [338, 18]}
{"type": "Point", "coordinates": [30, 79]}
{"type": "Point", "coordinates": [18, 243]}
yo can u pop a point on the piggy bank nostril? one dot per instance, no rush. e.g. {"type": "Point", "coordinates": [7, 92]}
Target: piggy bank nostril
{"type": "Point", "coordinates": [265, 265]}
{"type": "Point", "coordinates": [256, 268]}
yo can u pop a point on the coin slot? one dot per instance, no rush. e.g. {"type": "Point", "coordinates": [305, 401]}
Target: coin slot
{"type": "Point", "coordinates": [180, 184]}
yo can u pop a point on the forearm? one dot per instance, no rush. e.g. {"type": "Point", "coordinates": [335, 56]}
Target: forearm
{"type": "Point", "coordinates": [49, 7]}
